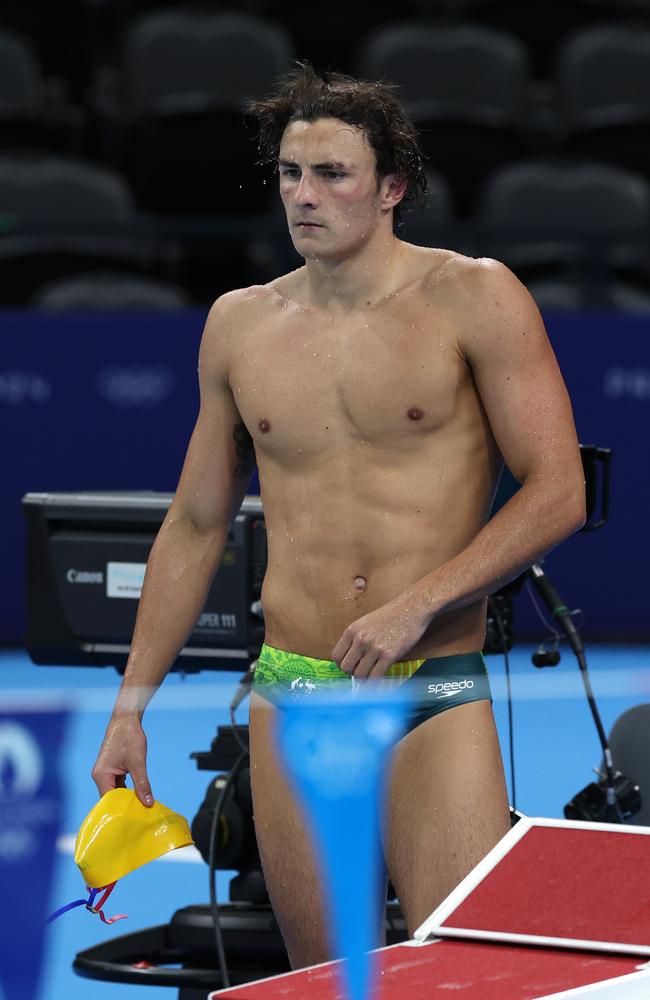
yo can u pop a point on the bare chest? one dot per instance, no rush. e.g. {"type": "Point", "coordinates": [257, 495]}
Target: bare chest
{"type": "Point", "coordinates": [304, 385]}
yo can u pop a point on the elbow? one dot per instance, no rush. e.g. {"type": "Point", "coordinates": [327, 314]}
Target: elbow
{"type": "Point", "coordinates": [574, 508]}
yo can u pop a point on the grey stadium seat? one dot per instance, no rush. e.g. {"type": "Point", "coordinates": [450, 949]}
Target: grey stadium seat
{"type": "Point", "coordinates": [557, 294]}
{"type": "Point", "coordinates": [566, 294]}
{"type": "Point", "coordinates": [603, 91]}
{"type": "Point", "coordinates": [178, 60]}
{"type": "Point", "coordinates": [627, 298]}
{"type": "Point", "coordinates": [97, 290]}
{"type": "Point", "coordinates": [21, 88]}
{"type": "Point", "coordinates": [433, 223]}
{"type": "Point", "coordinates": [438, 207]}
{"type": "Point", "coordinates": [62, 216]}
{"type": "Point", "coordinates": [563, 205]}
{"type": "Point", "coordinates": [466, 88]}
{"type": "Point", "coordinates": [461, 72]}
{"type": "Point", "coordinates": [42, 190]}
{"type": "Point", "coordinates": [185, 80]}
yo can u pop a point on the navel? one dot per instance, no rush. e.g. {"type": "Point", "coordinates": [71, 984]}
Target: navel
{"type": "Point", "coordinates": [415, 413]}
{"type": "Point", "coordinates": [264, 425]}
{"type": "Point", "coordinates": [360, 583]}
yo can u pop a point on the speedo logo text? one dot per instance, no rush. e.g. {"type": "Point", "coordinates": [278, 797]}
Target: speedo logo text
{"type": "Point", "coordinates": [449, 688]}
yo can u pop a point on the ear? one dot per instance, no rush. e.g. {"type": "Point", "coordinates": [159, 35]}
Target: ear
{"type": "Point", "coordinates": [392, 190]}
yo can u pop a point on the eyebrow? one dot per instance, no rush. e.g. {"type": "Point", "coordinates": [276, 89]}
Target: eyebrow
{"type": "Point", "coordinates": [332, 165]}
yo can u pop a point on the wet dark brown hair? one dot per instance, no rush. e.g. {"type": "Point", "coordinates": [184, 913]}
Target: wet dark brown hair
{"type": "Point", "coordinates": [304, 95]}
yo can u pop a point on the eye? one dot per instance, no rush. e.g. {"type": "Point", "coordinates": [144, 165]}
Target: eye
{"type": "Point", "coordinates": [289, 172]}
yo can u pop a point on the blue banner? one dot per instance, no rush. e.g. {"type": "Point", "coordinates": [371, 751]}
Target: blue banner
{"type": "Point", "coordinates": [94, 401]}
{"type": "Point", "coordinates": [30, 821]}
{"type": "Point", "coordinates": [605, 360]}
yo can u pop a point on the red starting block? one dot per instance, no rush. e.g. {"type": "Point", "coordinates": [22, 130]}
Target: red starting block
{"type": "Point", "coordinates": [557, 909]}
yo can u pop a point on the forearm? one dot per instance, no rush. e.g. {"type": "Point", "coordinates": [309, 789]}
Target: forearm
{"type": "Point", "coordinates": [180, 569]}
{"type": "Point", "coordinates": [530, 524]}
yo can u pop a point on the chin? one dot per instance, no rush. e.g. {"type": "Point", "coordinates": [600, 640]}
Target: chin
{"type": "Point", "coordinates": [330, 252]}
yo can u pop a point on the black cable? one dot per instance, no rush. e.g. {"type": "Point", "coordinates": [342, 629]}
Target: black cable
{"type": "Point", "coordinates": [511, 738]}
{"type": "Point", "coordinates": [554, 634]}
{"type": "Point", "coordinates": [563, 616]}
{"type": "Point", "coordinates": [243, 690]}
{"type": "Point", "coordinates": [233, 722]}
{"type": "Point", "coordinates": [613, 810]}
{"type": "Point", "coordinates": [221, 957]}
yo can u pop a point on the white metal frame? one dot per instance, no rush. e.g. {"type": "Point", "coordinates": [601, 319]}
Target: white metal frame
{"type": "Point", "coordinates": [634, 986]}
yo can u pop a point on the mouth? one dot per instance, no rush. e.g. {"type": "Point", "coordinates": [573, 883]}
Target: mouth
{"type": "Point", "coordinates": [309, 225]}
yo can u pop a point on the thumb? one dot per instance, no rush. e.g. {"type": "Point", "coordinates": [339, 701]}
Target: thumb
{"type": "Point", "coordinates": [142, 787]}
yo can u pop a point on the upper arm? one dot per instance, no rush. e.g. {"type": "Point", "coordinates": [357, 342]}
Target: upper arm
{"type": "Point", "coordinates": [519, 381]}
{"type": "Point", "coordinates": [220, 457]}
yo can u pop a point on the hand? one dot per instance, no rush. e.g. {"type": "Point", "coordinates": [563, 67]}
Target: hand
{"type": "Point", "coordinates": [123, 751]}
{"type": "Point", "coordinates": [370, 645]}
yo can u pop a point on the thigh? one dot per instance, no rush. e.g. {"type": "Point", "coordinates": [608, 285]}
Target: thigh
{"type": "Point", "coordinates": [447, 806]}
{"type": "Point", "coordinates": [285, 845]}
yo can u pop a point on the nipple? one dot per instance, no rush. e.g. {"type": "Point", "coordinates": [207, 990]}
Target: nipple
{"type": "Point", "coordinates": [264, 425]}
{"type": "Point", "coordinates": [415, 413]}
{"type": "Point", "coordinates": [360, 583]}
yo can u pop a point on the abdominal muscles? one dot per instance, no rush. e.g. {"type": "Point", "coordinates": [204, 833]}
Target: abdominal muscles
{"type": "Point", "coordinates": [331, 561]}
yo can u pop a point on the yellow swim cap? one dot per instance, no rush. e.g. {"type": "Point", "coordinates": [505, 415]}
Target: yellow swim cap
{"type": "Point", "coordinates": [119, 834]}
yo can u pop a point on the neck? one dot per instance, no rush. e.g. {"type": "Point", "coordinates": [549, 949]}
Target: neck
{"type": "Point", "coordinates": [360, 280]}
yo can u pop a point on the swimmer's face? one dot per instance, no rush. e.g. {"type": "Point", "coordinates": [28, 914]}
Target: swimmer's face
{"type": "Point", "coordinates": [330, 190]}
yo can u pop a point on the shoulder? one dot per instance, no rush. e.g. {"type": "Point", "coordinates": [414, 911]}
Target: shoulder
{"type": "Point", "coordinates": [233, 313]}
{"type": "Point", "coordinates": [487, 301]}
{"type": "Point", "coordinates": [256, 302]}
{"type": "Point", "coordinates": [239, 304]}
{"type": "Point", "coordinates": [239, 311]}
{"type": "Point", "coordinates": [472, 276]}
{"type": "Point", "coordinates": [491, 286]}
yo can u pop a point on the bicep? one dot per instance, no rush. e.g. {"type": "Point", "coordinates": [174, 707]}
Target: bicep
{"type": "Point", "coordinates": [220, 458]}
{"type": "Point", "coordinates": [519, 380]}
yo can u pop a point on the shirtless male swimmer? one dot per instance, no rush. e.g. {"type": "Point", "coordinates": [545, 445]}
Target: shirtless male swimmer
{"type": "Point", "coordinates": [380, 387]}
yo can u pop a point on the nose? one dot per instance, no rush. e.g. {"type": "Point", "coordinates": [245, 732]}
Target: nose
{"type": "Point", "coordinates": [305, 195]}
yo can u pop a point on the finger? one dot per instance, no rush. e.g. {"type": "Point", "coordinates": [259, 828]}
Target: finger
{"type": "Point", "coordinates": [107, 780]}
{"type": "Point", "coordinates": [379, 668]}
{"type": "Point", "coordinates": [104, 780]}
{"type": "Point", "coordinates": [341, 649]}
{"type": "Point", "coordinates": [104, 784]}
{"type": "Point", "coordinates": [367, 664]}
{"type": "Point", "coordinates": [142, 787]}
{"type": "Point", "coordinates": [352, 658]}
